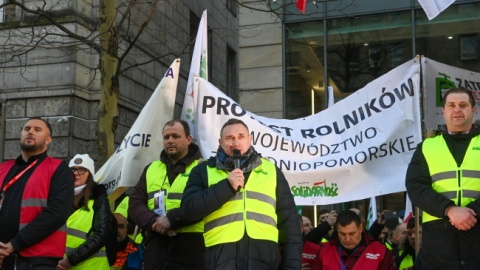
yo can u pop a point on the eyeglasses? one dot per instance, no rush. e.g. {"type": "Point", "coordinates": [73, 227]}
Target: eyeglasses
{"type": "Point", "coordinates": [122, 226]}
{"type": "Point", "coordinates": [80, 171]}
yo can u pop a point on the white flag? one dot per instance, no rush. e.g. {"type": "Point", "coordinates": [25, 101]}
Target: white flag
{"type": "Point", "coordinates": [433, 7]}
{"type": "Point", "coordinates": [143, 142]}
{"type": "Point", "coordinates": [372, 212]}
{"type": "Point", "coordinates": [408, 210]}
{"type": "Point", "coordinates": [198, 67]}
{"type": "Point", "coordinates": [331, 99]}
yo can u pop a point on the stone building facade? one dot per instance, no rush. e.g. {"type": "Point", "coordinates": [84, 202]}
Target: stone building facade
{"type": "Point", "coordinates": [60, 82]}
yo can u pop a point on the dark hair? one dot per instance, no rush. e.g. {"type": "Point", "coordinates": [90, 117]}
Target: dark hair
{"type": "Point", "coordinates": [44, 121]}
{"type": "Point", "coordinates": [459, 90]}
{"type": "Point", "coordinates": [233, 121]}
{"type": "Point", "coordinates": [185, 125]}
{"type": "Point", "coordinates": [323, 211]}
{"type": "Point", "coordinates": [86, 193]}
{"type": "Point", "coordinates": [346, 217]}
{"type": "Point", "coordinates": [411, 223]}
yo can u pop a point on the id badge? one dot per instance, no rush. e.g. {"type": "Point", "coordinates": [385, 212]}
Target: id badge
{"type": "Point", "coordinates": [159, 203]}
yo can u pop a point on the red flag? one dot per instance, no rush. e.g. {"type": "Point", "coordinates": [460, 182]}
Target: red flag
{"type": "Point", "coordinates": [301, 4]}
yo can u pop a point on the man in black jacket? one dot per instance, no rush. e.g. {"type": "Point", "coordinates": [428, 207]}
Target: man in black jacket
{"type": "Point", "coordinates": [443, 180]}
{"type": "Point", "coordinates": [171, 242]}
{"type": "Point", "coordinates": [247, 207]}
{"type": "Point", "coordinates": [36, 199]}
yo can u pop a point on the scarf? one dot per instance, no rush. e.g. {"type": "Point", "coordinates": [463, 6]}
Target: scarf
{"type": "Point", "coordinates": [248, 161]}
{"type": "Point", "coordinates": [79, 189]}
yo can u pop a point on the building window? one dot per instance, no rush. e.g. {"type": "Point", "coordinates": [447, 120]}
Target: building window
{"type": "Point", "coordinates": [469, 47]}
{"type": "Point", "coordinates": [194, 23]}
{"type": "Point", "coordinates": [232, 81]}
{"type": "Point", "coordinates": [2, 15]}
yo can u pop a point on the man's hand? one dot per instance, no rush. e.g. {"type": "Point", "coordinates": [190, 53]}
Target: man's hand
{"type": "Point", "coordinates": [63, 264]}
{"type": "Point", "coordinates": [5, 250]}
{"type": "Point", "coordinates": [381, 218]}
{"type": "Point", "coordinates": [462, 218]}
{"type": "Point", "coordinates": [161, 225]}
{"type": "Point", "coordinates": [236, 179]}
{"type": "Point", "coordinates": [331, 219]}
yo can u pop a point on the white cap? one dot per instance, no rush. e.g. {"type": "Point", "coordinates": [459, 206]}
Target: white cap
{"type": "Point", "coordinates": [83, 161]}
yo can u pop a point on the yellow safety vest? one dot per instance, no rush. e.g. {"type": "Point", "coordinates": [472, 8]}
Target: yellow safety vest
{"type": "Point", "coordinates": [122, 209]}
{"type": "Point", "coordinates": [407, 262]}
{"type": "Point", "coordinates": [157, 180]}
{"type": "Point", "coordinates": [78, 225]}
{"type": "Point", "coordinates": [459, 184]}
{"type": "Point", "coordinates": [251, 210]}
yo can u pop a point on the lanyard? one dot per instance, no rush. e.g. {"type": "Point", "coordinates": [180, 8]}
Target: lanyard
{"type": "Point", "coordinates": [343, 266]}
{"type": "Point", "coordinates": [16, 177]}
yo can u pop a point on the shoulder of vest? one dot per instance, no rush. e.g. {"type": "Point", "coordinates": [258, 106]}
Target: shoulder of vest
{"type": "Point", "coordinates": [53, 160]}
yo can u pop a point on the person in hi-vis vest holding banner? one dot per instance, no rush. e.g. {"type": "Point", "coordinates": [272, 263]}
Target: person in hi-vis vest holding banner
{"type": "Point", "coordinates": [249, 215]}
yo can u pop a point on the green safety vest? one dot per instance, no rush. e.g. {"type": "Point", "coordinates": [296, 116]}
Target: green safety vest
{"type": "Point", "coordinates": [157, 180]}
{"type": "Point", "coordinates": [407, 262]}
{"type": "Point", "coordinates": [459, 184]}
{"type": "Point", "coordinates": [251, 210]}
{"type": "Point", "coordinates": [122, 209]}
{"type": "Point", "coordinates": [78, 225]}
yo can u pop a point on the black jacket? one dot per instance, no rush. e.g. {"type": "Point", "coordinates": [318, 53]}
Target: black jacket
{"type": "Point", "coordinates": [184, 250]}
{"type": "Point", "coordinates": [60, 197]}
{"type": "Point", "coordinates": [443, 246]}
{"type": "Point", "coordinates": [99, 232]}
{"type": "Point", "coordinates": [199, 200]}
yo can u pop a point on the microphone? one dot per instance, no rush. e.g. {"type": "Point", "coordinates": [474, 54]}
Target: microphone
{"type": "Point", "coordinates": [236, 158]}
{"type": "Point", "coordinates": [236, 162]}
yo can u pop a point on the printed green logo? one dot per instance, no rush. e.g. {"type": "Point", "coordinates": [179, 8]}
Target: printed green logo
{"type": "Point", "coordinates": [319, 189]}
{"type": "Point", "coordinates": [442, 85]}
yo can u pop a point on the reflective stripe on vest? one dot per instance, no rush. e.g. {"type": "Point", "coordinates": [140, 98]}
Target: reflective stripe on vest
{"type": "Point", "coordinates": [157, 180]}
{"type": "Point", "coordinates": [34, 201]}
{"type": "Point", "coordinates": [459, 184]}
{"type": "Point", "coordinates": [252, 210]}
{"type": "Point", "coordinates": [78, 226]}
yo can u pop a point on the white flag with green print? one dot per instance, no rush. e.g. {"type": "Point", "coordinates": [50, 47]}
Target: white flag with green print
{"type": "Point", "coordinates": [198, 67]}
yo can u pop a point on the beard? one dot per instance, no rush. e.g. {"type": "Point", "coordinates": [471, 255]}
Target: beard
{"type": "Point", "coordinates": [29, 147]}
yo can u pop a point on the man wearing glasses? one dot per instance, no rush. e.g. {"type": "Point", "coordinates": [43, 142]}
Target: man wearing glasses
{"type": "Point", "coordinates": [129, 254]}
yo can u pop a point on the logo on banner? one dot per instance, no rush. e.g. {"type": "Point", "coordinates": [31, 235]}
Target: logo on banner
{"type": "Point", "coordinates": [442, 85]}
{"type": "Point", "coordinates": [318, 189]}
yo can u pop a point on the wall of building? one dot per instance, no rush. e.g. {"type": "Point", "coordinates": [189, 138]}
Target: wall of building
{"type": "Point", "coordinates": [62, 85]}
{"type": "Point", "coordinates": [260, 56]}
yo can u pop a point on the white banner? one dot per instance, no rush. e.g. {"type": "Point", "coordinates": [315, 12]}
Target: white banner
{"type": "Point", "coordinates": [198, 67]}
{"type": "Point", "coordinates": [144, 141]}
{"type": "Point", "coordinates": [433, 7]}
{"type": "Point", "coordinates": [437, 79]}
{"type": "Point", "coordinates": [358, 148]}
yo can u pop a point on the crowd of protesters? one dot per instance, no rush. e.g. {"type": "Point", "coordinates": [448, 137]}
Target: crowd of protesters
{"type": "Point", "coordinates": [234, 210]}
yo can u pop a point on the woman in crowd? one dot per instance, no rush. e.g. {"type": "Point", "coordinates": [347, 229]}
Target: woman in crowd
{"type": "Point", "coordinates": [88, 227]}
